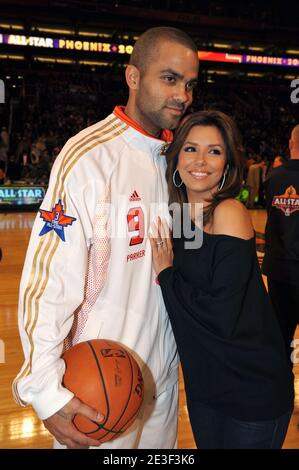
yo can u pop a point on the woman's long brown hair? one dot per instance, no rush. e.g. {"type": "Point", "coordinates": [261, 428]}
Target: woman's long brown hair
{"type": "Point", "coordinates": [233, 151]}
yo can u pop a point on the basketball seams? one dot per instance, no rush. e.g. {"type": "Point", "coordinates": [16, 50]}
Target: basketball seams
{"type": "Point", "coordinates": [132, 418]}
{"type": "Point", "coordinates": [128, 397]}
{"type": "Point", "coordinates": [103, 382]}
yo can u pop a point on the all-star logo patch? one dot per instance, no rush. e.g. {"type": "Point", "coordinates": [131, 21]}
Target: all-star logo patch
{"type": "Point", "coordinates": [287, 202]}
{"type": "Point", "coordinates": [55, 220]}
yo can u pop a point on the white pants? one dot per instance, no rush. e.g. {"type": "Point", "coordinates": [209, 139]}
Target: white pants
{"type": "Point", "coordinates": [155, 427]}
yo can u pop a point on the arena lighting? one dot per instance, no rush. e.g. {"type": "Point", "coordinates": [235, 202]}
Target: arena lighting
{"type": "Point", "coordinates": [292, 51]}
{"type": "Point", "coordinates": [70, 61]}
{"type": "Point", "coordinates": [54, 60]}
{"type": "Point", "coordinates": [256, 48]}
{"type": "Point", "coordinates": [12, 57]}
{"type": "Point", "coordinates": [65, 61]}
{"type": "Point", "coordinates": [44, 59]}
{"type": "Point", "coordinates": [90, 62]}
{"type": "Point", "coordinates": [254, 74]}
{"type": "Point", "coordinates": [93, 34]}
{"type": "Point", "coordinates": [219, 72]}
{"type": "Point", "coordinates": [12, 26]}
{"type": "Point", "coordinates": [223, 46]}
{"type": "Point", "coordinates": [86, 33]}
{"type": "Point", "coordinates": [55, 31]}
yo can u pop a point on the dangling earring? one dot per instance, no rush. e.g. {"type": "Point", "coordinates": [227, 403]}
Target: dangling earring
{"type": "Point", "coordinates": [223, 178]}
{"type": "Point", "coordinates": [174, 181]}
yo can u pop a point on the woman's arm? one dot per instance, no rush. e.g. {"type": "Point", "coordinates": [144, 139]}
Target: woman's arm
{"type": "Point", "coordinates": [217, 310]}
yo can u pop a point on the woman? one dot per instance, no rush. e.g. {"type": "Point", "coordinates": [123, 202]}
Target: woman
{"type": "Point", "coordinates": [239, 386]}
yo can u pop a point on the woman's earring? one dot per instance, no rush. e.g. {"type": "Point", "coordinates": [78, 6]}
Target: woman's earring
{"type": "Point", "coordinates": [174, 181]}
{"type": "Point", "coordinates": [223, 178]}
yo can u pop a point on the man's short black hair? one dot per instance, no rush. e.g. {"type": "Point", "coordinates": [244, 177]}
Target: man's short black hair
{"type": "Point", "coordinates": [145, 47]}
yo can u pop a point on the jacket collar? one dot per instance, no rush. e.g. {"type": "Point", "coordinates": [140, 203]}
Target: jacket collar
{"type": "Point", "coordinates": [119, 111]}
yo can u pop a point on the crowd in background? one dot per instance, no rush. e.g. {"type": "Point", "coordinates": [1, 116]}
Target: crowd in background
{"type": "Point", "coordinates": [52, 107]}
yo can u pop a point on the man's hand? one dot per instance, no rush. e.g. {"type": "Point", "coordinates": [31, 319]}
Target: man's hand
{"type": "Point", "coordinates": [61, 425]}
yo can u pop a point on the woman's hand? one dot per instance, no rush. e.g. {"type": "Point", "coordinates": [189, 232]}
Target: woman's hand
{"type": "Point", "coordinates": [161, 242]}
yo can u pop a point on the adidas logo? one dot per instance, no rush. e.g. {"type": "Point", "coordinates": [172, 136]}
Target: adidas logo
{"type": "Point", "coordinates": [135, 197]}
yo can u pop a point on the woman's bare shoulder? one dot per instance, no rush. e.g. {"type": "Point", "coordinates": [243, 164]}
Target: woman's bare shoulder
{"type": "Point", "coordinates": [232, 218]}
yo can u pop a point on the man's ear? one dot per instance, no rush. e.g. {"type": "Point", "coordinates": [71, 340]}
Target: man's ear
{"type": "Point", "coordinates": [132, 77]}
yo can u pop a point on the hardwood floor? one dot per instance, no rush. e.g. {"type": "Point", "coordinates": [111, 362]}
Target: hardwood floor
{"type": "Point", "coordinates": [19, 427]}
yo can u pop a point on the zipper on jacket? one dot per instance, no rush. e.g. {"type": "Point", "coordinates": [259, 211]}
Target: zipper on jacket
{"type": "Point", "coordinates": [158, 154]}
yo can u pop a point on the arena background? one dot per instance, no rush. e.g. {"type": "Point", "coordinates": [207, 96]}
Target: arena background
{"type": "Point", "coordinates": [62, 68]}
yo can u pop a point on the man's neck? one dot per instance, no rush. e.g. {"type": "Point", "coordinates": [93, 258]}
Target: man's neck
{"type": "Point", "coordinates": [147, 126]}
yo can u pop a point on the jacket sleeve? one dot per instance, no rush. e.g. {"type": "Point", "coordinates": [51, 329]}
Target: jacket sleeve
{"type": "Point", "coordinates": [218, 309]}
{"type": "Point", "coordinates": [53, 282]}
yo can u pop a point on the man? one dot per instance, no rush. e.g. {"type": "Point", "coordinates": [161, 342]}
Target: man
{"type": "Point", "coordinates": [78, 281]}
{"type": "Point", "coordinates": [254, 178]}
{"type": "Point", "coordinates": [278, 161]}
{"type": "Point", "coordinates": [281, 261]}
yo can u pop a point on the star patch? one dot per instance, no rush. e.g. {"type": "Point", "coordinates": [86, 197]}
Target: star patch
{"type": "Point", "coordinates": [55, 220]}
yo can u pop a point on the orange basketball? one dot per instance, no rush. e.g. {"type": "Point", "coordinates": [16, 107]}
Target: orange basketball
{"type": "Point", "coordinates": [105, 376]}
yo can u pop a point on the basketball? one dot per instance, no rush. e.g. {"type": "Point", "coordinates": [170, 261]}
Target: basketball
{"type": "Point", "coordinates": [105, 376]}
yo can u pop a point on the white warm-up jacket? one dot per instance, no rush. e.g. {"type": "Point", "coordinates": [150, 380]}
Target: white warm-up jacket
{"type": "Point", "coordinates": [88, 269]}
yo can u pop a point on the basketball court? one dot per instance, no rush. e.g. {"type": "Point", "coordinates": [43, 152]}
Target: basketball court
{"type": "Point", "coordinates": [19, 427]}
